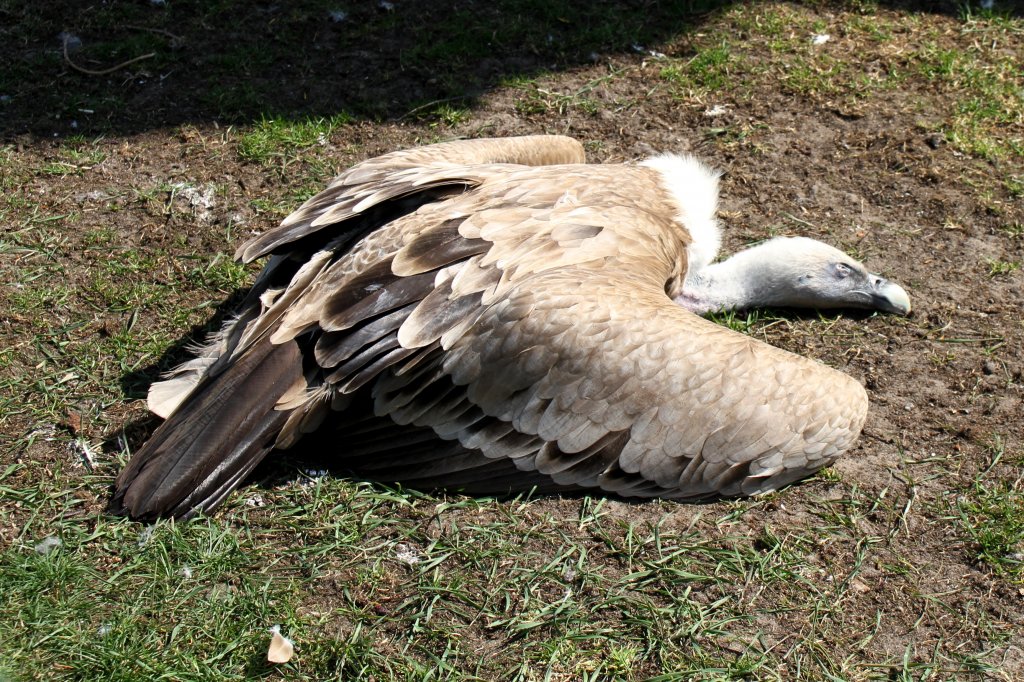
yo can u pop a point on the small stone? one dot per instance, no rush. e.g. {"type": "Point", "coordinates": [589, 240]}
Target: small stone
{"type": "Point", "coordinates": [934, 141]}
{"type": "Point", "coordinates": [407, 554]}
{"type": "Point", "coordinates": [860, 586]}
{"type": "Point", "coordinates": [990, 367]}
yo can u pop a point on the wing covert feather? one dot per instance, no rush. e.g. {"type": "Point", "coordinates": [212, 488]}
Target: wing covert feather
{"type": "Point", "coordinates": [453, 165]}
{"type": "Point", "coordinates": [748, 418]}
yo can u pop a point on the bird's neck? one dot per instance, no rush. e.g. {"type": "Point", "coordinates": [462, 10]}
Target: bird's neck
{"type": "Point", "coordinates": [741, 282]}
{"type": "Point", "coordinates": [711, 292]}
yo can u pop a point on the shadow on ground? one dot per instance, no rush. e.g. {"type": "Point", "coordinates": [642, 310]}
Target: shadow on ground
{"type": "Point", "coordinates": [127, 67]}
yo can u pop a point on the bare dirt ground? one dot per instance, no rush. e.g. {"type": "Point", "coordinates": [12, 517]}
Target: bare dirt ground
{"type": "Point", "coordinates": [900, 139]}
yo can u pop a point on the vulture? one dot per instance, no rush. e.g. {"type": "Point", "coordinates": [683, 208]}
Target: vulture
{"type": "Point", "coordinates": [496, 316]}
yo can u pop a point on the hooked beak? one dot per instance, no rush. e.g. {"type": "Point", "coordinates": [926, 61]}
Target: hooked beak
{"type": "Point", "coordinates": [889, 297]}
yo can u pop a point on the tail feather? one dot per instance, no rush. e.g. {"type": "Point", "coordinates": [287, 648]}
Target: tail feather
{"type": "Point", "coordinates": [220, 433]}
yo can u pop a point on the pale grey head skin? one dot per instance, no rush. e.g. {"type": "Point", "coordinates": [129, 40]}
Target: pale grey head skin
{"type": "Point", "coordinates": [792, 272]}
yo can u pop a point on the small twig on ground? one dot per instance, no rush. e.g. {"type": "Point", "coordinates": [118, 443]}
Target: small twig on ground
{"type": "Point", "coordinates": [802, 222]}
{"type": "Point", "coordinates": [175, 39]}
{"type": "Point", "coordinates": [102, 72]}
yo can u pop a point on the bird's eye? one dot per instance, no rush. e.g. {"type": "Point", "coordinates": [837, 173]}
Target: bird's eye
{"type": "Point", "coordinates": [842, 270]}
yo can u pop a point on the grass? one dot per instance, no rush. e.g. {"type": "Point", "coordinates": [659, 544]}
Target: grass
{"type": "Point", "coordinates": [992, 520]}
{"type": "Point", "coordinates": [213, 588]}
{"type": "Point", "coordinates": [983, 82]}
{"type": "Point", "coordinates": [998, 268]}
{"type": "Point", "coordinates": [989, 100]}
{"type": "Point", "coordinates": [189, 586]}
{"type": "Point", "coordinates": [448, 115]}
{"type": "Point", "coordinates": [75, 157]}
{"type": "Point", "coordinates": [990, 516]}
{"type": "Point", "coordinates": [72, 358]}
{"type": "Point", "coordinates": [541, 100]}
{"type": "Point", "coordinates": [1014, 230]}
{"type": "Point", "coordinates": [708, 70]}
{"type": "Point", "coordinates": [746, 322]}
{"type": "Point", "coordinates": [280, 140]}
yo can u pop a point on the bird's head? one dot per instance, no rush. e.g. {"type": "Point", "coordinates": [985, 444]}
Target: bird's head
{"type": "Point", "coordinates": [806, 273]}
{"type": "Point", "coordinates": [795, 272]}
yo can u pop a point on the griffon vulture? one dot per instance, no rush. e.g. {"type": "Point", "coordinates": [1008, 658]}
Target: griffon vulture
{"type": "Point", "coordinates": [495, 316]}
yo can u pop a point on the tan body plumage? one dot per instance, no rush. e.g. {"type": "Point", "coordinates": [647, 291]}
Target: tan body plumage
{"type": "Point", "coordinates": [493, 316]}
